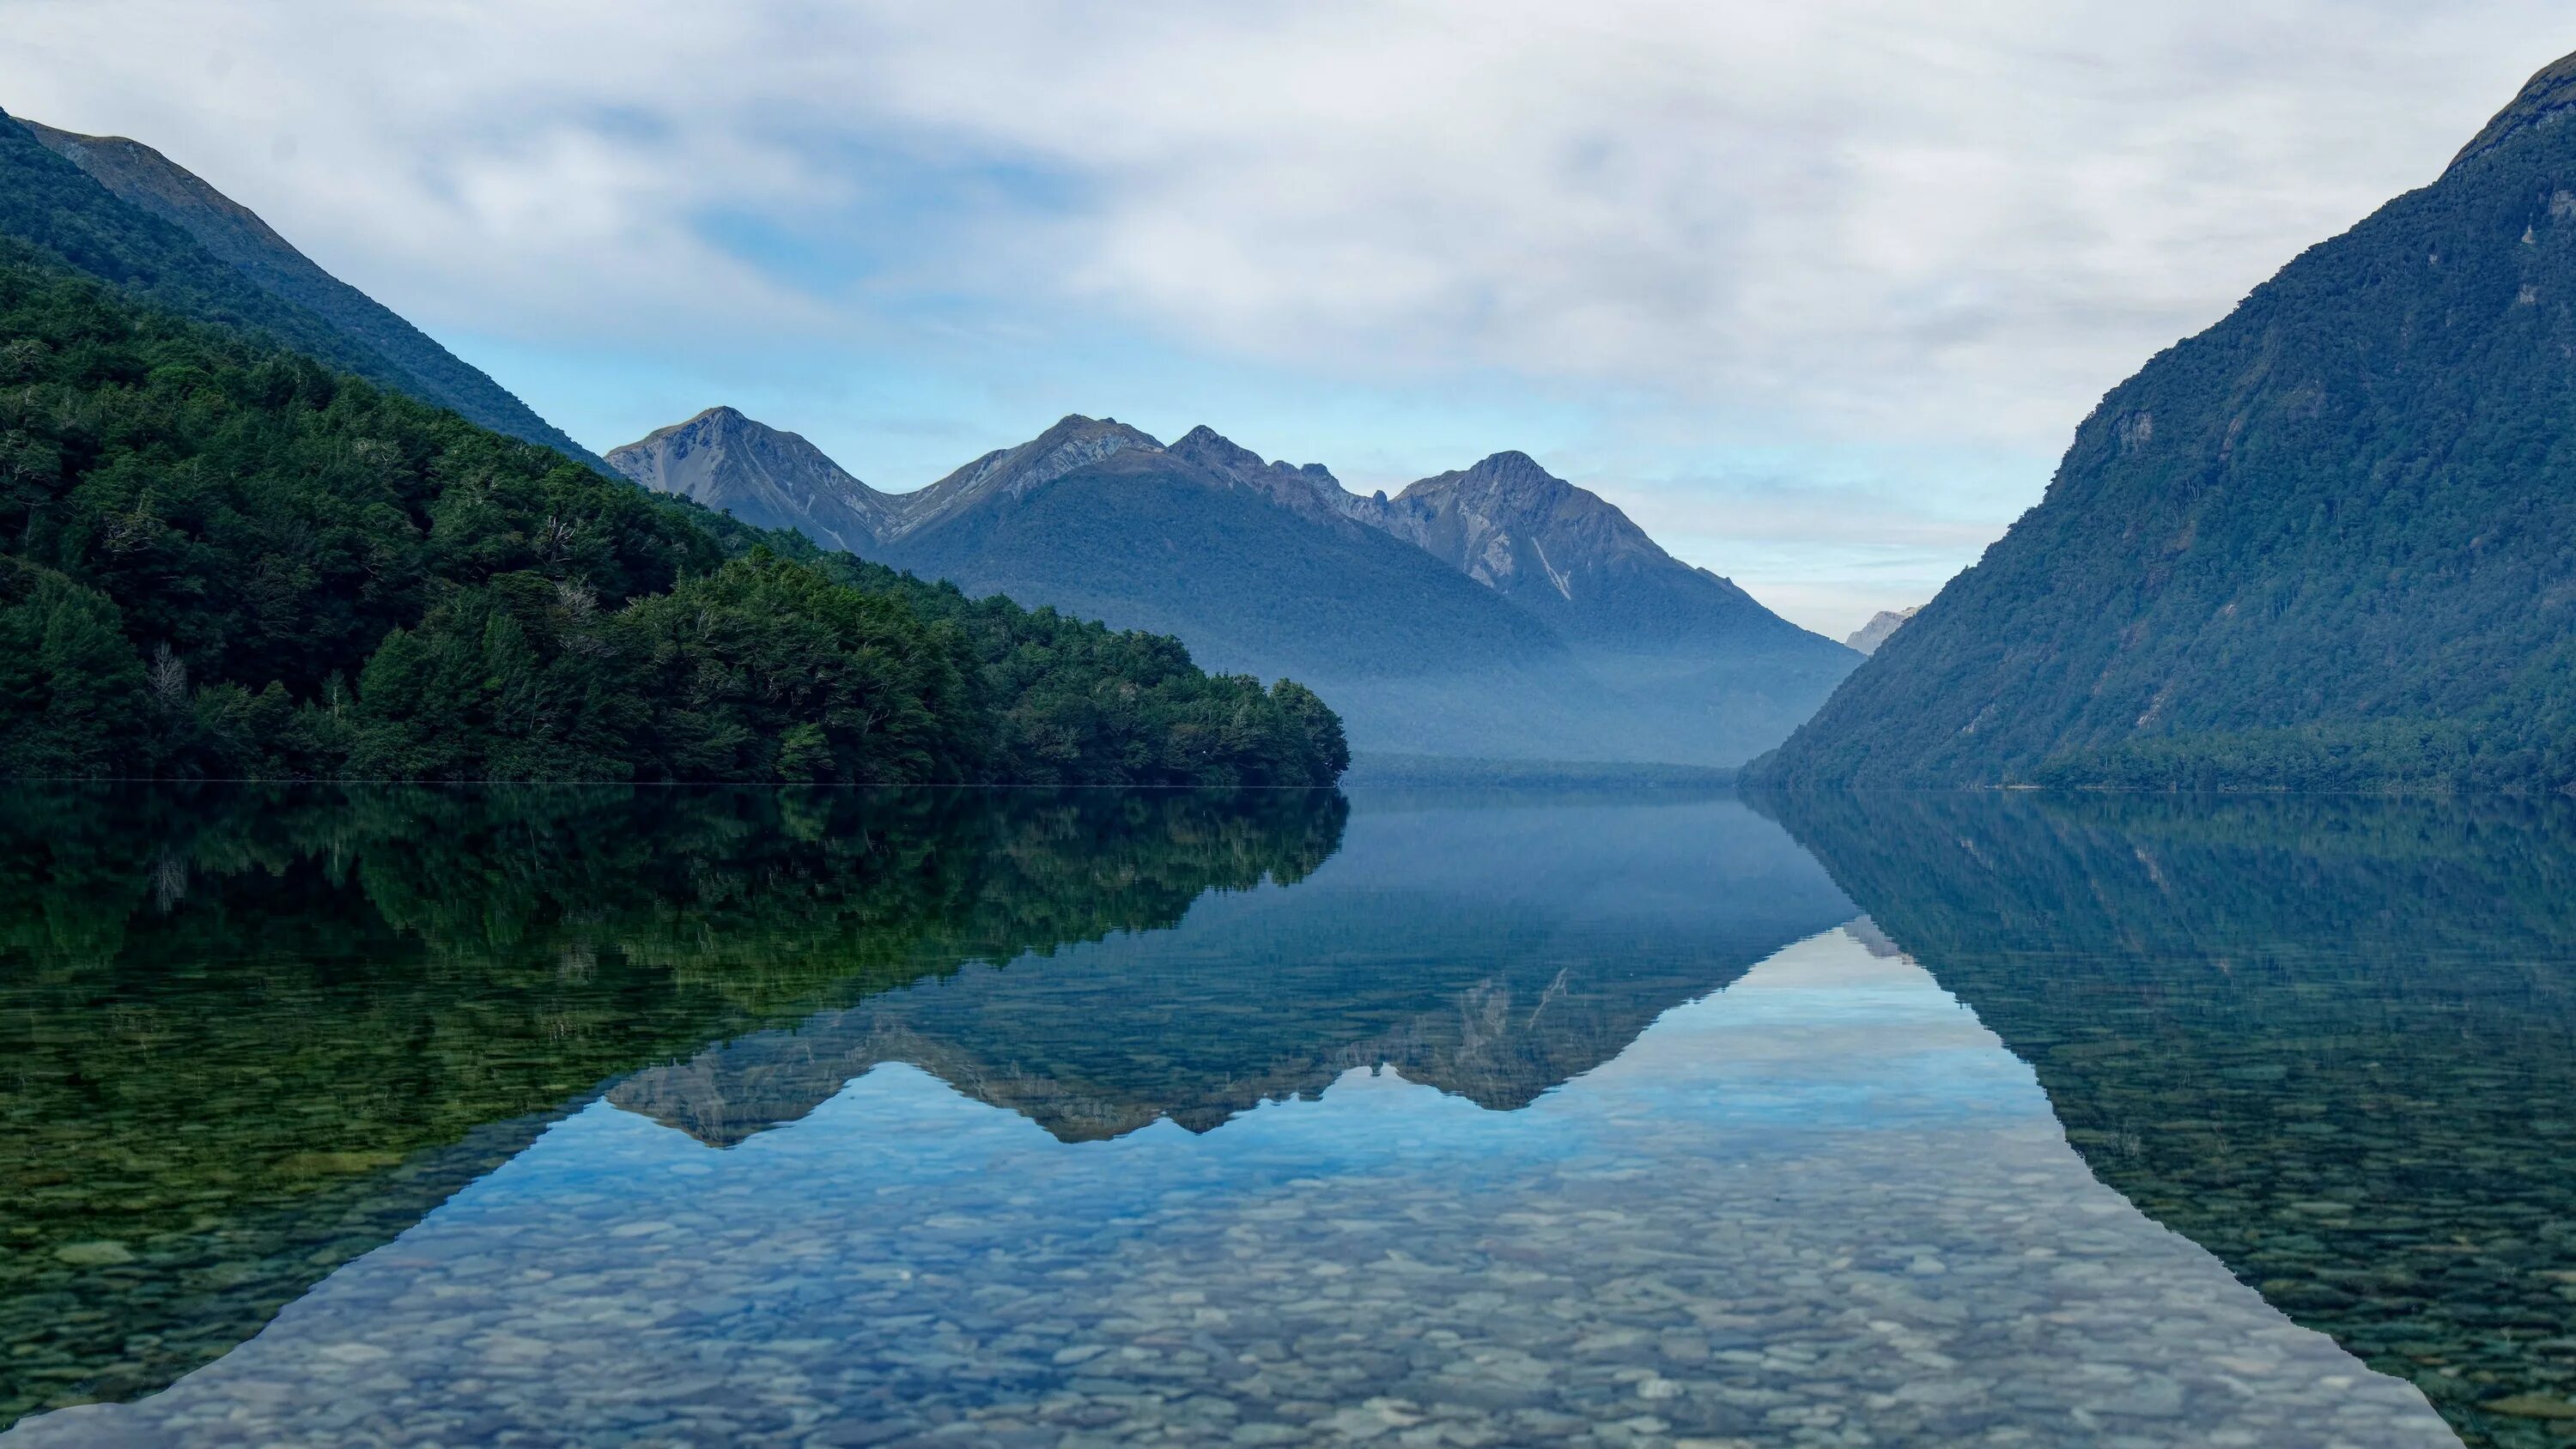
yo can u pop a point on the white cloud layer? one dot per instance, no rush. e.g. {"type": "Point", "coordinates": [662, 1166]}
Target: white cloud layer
{"type": "Point", "coordinates": [1867, 222]}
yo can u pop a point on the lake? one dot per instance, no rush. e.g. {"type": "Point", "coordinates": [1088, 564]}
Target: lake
{"type": "Point", "coordinates": [605, 1116]}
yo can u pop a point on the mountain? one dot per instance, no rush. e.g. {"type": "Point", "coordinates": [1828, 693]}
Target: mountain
{"type": "Point", "coordinates": [2323, 544]}
{"type": "Point", "coordinates": [1277, 570]}
{"type": "Point", "coordinates": [1685, 654]}
{"type": "Point", "coordinates": [1567, 557]}
{"type": "Point", "coordinates": [760, 475]}
{"type": "Point", "coordinates": [120, 210]}
{"type": "Point", "coordinates": [221, 559]}
{"type": "Point", "coordinates": [1869, 636]}
{"type": "Point", "coordinates": [1101, 520]}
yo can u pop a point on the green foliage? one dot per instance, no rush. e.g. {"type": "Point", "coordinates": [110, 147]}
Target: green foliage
{"type": "Point", "coordinates": [2330, 541]}
{"type": "Point", "coordinates": [769, 670]}
{"type": "Point", "coordinates": [223, 560]}
{"type": "Point", "coordinates": [253, 1032]}
{"type": "Point", "coordinates": [47, 203]}
{"type": "Point", "coordinates": [2330, 1038]}
{"type": "Point", "coordinates": [71, 686]}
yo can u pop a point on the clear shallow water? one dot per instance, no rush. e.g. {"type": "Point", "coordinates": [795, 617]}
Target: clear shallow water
{"type": "Point", "coordinates": [1436, 1121]}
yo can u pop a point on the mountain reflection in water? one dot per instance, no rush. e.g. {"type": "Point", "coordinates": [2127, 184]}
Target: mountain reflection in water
{"type": "Point", "coordinates": [1818, 1205]}
{"type": "Point", "coordinates": [815, 1117]}
{"type": "Point", "coordinates": [2332, 1040]}
{"type": "Point", "coordinates": [254, 1033]}
{"type": "Point", "coordinates": [1488, 950]}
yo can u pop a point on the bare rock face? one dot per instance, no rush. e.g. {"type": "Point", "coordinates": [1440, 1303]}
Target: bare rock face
{"type": "Point", "coordinates": [1869, 636]}
{"type": "Point", "coordinates": [760, 475]}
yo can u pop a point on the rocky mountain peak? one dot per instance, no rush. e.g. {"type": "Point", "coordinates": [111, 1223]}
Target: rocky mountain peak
{"type": "Point", "coordinates": [760, 474]}
{"type": "Point", "coordinates": [707, 427]}
{"type": "Point", "coordinates": [1311, 489]}
{"type": "Point", "coordinates": [1073, 442]}
{"type": "Point", "coordinates": [700, 429]}
{"type": "Point", "coordinates": [1489, 515]}
{"type": "Point", "coordinates": [1518, 469]}
{"type": "Point", "coordinates": [1571, 557]}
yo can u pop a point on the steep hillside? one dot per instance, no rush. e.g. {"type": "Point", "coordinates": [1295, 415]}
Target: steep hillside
{"type": "Point", "coordinates": [764, 477]}
{"type": "Point", "coordinates": [2330, 542]}
{"type": "Point", "coordinates": [151, 182]}
{"type": "Point", "coordinates": [218, 558]}
{"type": "Point", "coordinates": [50, 205]}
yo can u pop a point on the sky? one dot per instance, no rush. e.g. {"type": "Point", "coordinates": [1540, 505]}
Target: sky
{"type": "Point", "coordinates": [1816, 292]}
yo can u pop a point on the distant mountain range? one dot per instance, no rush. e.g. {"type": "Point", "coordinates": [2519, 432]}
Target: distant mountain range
{"type": "Point", "coordinates": [122, 211]}
{"type": "Point", "coordinates": [1495, 612]}
{"type": "Point", "coordinates": [2324, 544]}
{"type": "Point", "coordinates": [1869, 636]}
{"type": "Point", "coordinates": [210, 531]}
{"type": "Point", "coordinates": [1498, 611]}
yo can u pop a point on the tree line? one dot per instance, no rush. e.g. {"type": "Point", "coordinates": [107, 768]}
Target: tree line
{"type": "Point", "coordinates": [219, 558]}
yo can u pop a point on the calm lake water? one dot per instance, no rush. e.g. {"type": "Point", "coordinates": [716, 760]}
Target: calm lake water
{"type": "Point", "coordinates": [596, 1116]}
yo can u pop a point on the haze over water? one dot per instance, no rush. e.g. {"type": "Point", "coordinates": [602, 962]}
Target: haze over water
{"type": "Point", "coordinates": [608, 1116]}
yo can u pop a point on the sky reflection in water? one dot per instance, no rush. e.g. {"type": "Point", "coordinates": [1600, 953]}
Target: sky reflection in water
{"type": "Point", "coordinates": [1613, 1187]}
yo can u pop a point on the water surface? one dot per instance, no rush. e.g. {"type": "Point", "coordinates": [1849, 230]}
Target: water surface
{"type": "Point", "coordinates": [813, 1118]}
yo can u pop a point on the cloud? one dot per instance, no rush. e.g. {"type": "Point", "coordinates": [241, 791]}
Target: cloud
{"type": "Point", "coordinates": [1738, 225]}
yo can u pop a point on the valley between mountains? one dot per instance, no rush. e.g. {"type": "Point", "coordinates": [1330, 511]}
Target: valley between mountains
{"type": "Point", "coordinates": [1497, 611]}
{"type": "Point", "coordinates": [2321, 544]}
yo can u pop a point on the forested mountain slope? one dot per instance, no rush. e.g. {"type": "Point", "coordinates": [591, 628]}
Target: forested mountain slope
{"type": "Point", "coordinates": [151, 182]}
{"type": "Point", "coordinates": [2330, 542]}
{"type": "Point", "coordinates": [123, 213]}
{"type": "Point", "coordinates": [220, 558]}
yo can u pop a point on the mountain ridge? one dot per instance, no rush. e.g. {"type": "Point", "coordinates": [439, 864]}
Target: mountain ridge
{"type": "Point", "coordinates": [384, 346]}
{"type": "Point", "coordinates": [2321, 544]}
{"type": "Point", "coordinates": [1277, 569]}
{"type": "Point", "coordinates": [1605, 583]}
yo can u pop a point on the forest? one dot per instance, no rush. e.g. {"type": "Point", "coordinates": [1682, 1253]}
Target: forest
{"type": "Point", "coordinates": [221, 559]}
